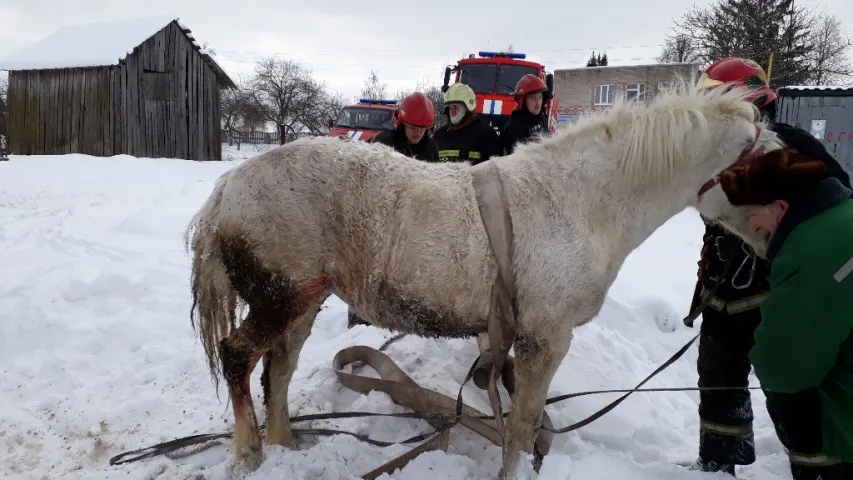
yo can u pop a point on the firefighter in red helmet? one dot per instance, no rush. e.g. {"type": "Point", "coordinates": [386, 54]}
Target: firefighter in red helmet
{"type": "Point", "coordinates": [411, 137]}
{"type": "Point", "coordinates": [733, 313]}
{"type": "Point", "coordinates": [739, 72]}
{"type": "Point", "coordinates": [528, 118]}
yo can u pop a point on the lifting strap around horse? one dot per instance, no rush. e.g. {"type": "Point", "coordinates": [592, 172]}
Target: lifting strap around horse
{"type": "Point", "coordinates": [494, 211]}
{"type": "Point", "coordinates": [495, 214]}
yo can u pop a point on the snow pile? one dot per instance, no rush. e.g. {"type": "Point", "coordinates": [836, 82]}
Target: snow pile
{"type": "Point", "coordinates": [98, 356]}
{"type": "Point", "coordinates": [87, 45]}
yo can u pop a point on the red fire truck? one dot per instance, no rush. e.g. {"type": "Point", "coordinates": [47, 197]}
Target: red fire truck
{"type": "Point", "coordinates": [364, 120]}
{"type": "Point", "coordinates": [492, 76]}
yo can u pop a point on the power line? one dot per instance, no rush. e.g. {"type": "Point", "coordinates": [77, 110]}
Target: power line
{"type": "Point", "coordinates": [550, 62]}
{"type": "Point", "coordinates": [423, 54]}
{"type": "Point", "coordinates": [433, 65]}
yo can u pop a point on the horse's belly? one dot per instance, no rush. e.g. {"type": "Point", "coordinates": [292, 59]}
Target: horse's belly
{"type": "Point", "coordinates": [427, 312]}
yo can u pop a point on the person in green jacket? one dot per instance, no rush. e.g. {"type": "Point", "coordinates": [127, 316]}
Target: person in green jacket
{"type": "Point", "coordinates": [803, 353]}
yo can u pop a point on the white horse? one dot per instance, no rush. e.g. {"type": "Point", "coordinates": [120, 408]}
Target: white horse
{"type": "Point", "coordinates": [403, 243]}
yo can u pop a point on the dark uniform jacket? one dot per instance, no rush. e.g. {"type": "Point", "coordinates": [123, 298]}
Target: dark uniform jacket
{"type": "Point", "coordinates": [522, 125]}
{"type": "Point", "coordinates": [426, 149]}
{"type": "Point", "coordinates": [472, 140]}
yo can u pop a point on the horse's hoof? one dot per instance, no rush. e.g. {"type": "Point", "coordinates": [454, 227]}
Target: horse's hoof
{"type": "Point", "coordinates": [285, 441]}
{"type": "Point", "coordinates": [250, 458]}
{"type": "Point", "coordinates": [517, 464]}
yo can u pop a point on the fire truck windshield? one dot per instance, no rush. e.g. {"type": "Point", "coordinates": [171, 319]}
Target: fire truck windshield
{"type": "Point", "coordinates": [372, 118]}
{"type": "Point", "coordinates": [485, 78]}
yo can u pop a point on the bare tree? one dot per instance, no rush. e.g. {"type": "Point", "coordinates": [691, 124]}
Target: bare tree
{"type": "Point", "coordinates": [830, 64]}
{"type": "Point", "coordinates": [205, 48]}
{"type": "Point", "coordinates": [252, 117]}
{"type": "Point", "coordinates": [284, 90]}
{"type": "Point", "coordinates": [373, 89]}
{"type": "Point", "coordinates": [678, 49]}
{"type": "Point", "coordinates": [328, 106]}
{"type": "Point", "coordinates": [239, 112]}
{"type": "Point", "coordinates": [753, 29]}
{"type": "Point", "coordinates": [232, 104]}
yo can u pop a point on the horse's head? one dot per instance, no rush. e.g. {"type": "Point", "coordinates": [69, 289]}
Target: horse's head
{"type": "Point", "coordinates": [685, 138]}
{"type": "Point", "coordinates": [735, 135]}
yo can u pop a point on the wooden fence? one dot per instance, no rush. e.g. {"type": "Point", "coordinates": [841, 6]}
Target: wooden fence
{"type": "Point", "coordinates": [259, 138]}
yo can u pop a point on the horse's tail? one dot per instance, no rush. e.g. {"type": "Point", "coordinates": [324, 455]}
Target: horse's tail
{"type": "Point", "coordinates": [213, 312]}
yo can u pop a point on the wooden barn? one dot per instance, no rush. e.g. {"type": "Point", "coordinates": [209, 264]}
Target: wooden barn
{"type": "Point", "coordinates": [140, 87]}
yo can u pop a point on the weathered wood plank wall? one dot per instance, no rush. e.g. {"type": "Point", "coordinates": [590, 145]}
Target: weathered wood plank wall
{"type": "Point", "coordinates": [60, 111]}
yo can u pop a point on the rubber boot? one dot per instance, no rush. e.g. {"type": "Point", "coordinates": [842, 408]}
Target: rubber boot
{"type": "Point", "coordinates": [721, 451]}
{"type": "Point", "coordinates": [711, 466]}
{"type": "Point", "coordinates": [839, 471]}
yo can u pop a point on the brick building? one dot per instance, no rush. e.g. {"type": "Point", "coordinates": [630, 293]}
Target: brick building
{"type": "Point", "coordinates": [586, 89]}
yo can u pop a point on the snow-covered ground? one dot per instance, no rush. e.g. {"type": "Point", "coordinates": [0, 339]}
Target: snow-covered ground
{"type": "Point", "coordinates": [98, 356]}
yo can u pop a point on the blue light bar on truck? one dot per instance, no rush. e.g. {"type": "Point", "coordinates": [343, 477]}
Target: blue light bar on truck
{"type": "Point", "coordinates": [519, 56]}
{"type": "Point", "coordinates": [380, 102]}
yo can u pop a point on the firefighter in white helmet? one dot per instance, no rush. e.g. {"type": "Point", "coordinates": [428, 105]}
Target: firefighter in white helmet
{"type": "Point", "coordinates": [466, 137]}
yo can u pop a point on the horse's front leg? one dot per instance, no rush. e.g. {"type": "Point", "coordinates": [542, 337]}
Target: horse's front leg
{"type": "Point", "coordinates": [537, 356]}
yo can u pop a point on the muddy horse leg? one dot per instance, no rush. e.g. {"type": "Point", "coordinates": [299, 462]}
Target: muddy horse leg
{"type": "Point", "coordinates": [239, 353]}
{"type": "Point", "coordinates": [279, 364]}
{"type": "Point", "coordinates": [276, 302]}
{"type": "Point", "coordinates": [537, 357]}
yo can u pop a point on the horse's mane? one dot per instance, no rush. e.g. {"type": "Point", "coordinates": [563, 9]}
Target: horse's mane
{"type": "Point", "coordinates": [653, 135]}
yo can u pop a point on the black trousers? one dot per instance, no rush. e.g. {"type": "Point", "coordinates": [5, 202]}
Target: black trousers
{"type": "Point", "coordinates": [726, 435]}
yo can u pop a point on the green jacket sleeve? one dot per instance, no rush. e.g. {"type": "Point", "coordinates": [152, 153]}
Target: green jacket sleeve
{"type": "Point", "coordinates": [802, 329]}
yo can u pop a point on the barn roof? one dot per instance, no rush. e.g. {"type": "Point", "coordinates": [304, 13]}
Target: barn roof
{"type": "Point", "coordinates": [98, 45]}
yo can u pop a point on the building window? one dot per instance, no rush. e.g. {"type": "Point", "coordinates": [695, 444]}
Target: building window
{"type": "Point", "coordinates": [636, 92]}
{"type": "Point", "coordinates": [603, 95]}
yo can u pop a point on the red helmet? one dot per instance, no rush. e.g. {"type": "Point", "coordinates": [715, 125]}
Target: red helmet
{"type": "Point", "coordinates": [741, 72]}
{"type": "Point", "coordinates": [528, 84]}
{"type": "Point", "coordinates": [417, 110]}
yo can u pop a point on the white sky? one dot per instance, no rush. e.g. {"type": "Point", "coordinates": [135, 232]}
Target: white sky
{"type": "Point", "coordinates": [404, 41]}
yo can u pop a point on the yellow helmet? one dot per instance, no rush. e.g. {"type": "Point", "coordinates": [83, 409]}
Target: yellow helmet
{"type": "Point", "coordinates": [459, 92]}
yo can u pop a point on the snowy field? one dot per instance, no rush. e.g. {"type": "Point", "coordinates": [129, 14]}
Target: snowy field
{"type": "Point", "coordinates": [98, 356]}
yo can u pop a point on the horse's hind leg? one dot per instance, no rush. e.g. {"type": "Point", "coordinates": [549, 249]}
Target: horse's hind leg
{"type": "Point", "coordinates": [279, 364]}
{"type": "Point", "coordinates": [239, 353]}
{"type": "Point", "coordinates": [275, 302]}
{"type": "Point", "coordinates": [276, 306]}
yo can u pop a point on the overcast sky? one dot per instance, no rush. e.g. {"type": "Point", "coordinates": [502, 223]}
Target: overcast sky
{"type": "Point", "coordinates": [403, 40]}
